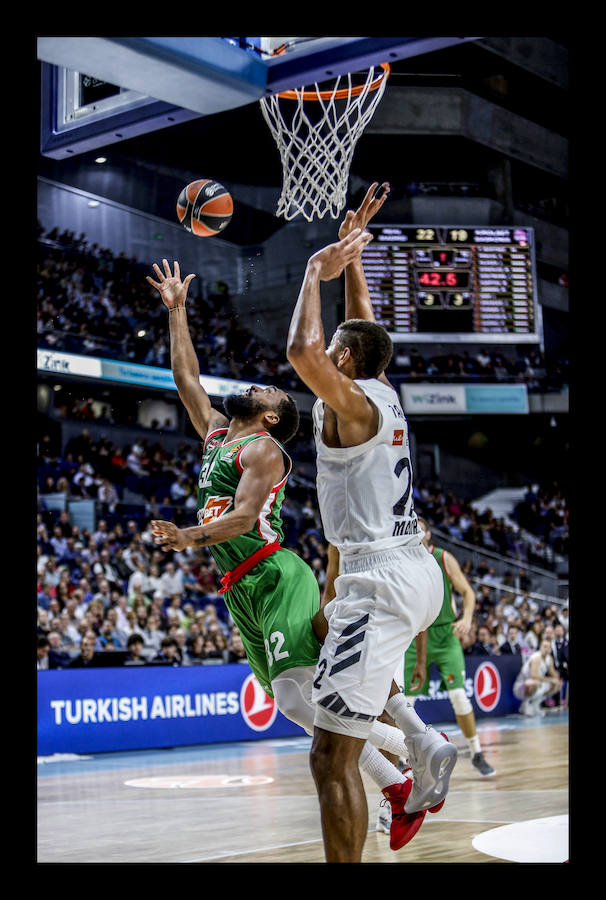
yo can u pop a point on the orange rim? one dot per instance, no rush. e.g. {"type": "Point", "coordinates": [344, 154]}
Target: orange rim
{"type": "Point", "coordinates": [342, 94]}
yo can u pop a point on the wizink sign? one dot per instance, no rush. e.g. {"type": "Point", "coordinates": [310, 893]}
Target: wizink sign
{"type": "Point", "coordinates": [88, 710]}
{"type": "Point", "coordinates": [464, 398]}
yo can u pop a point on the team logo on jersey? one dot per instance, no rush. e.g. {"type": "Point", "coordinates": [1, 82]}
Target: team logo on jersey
{"type": "Point", "coordinates": [398, 437]}
{"type": "Point", "coordinates": [258, 710]}
{"type": "Point", "coordinates": [213, 508]}
{"type": "Point", "coordinates": [487, 686]}
{"type": "Point", "coordinates": [232, 453]}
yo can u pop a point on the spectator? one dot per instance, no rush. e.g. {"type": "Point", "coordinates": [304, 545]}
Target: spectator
{"type": "Point", "coordinates": [235, 652]}
{"type": "Point", "coordinates": [42, 648]}
{"type": "Point", "coordinates": [534, 633]}
{"type": "Point", "coordinates": [86, 657]}
{"type": "Point", "coordinates": [58, 656]}
{"type": "Point", "coordinates": [169, 653]}
{"type": "Point", "coordinates": [135, 647]}
{"type": "Point", "coordinates": [172, 580]}
{"type": "Point", "coordinates": [511, 644]}
{"type": "Point", "coordinates": [108, 638]}
{"type": "Point", "coordinates": [485, 645]}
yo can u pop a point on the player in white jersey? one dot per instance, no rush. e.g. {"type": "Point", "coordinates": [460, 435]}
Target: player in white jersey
{"type": "Point", "coordinates": [390, 587]}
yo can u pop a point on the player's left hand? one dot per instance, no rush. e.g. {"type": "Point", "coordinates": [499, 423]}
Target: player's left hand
{"type": "Point", "coordinates": [369, 207]}
{"type": "Point", "coordinates": [168, 536]}
{"type": "Point", "coordinates": [418, 676]}
{"type": "Point", "coordinates": [461, 628]}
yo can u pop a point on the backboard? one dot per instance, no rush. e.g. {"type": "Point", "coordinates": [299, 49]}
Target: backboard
{"type": "Point", "coordinates": [100, 90]}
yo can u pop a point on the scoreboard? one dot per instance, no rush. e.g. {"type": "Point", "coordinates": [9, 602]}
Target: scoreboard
{"type": "Point", "coordinates": [461, 283]}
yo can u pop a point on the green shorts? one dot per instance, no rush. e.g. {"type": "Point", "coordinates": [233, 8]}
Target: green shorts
{"type": "Point", "coordinates": [445, 651]}
{"type": "Point", "coordinates": [273, 606]}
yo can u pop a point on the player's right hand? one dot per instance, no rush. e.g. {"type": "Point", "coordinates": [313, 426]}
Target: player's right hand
{"type": "Point", "coordinates": [369, 207]}
{"type": "Point", "coordinates": [172, 290]}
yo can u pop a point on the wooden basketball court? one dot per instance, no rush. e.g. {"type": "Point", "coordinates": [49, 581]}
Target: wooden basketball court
{"type": "Point", "coordinates": [255, 802]}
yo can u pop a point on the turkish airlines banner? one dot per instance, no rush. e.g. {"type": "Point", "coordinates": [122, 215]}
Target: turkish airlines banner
{"type": "Point", "coordinates": [105, 709]}
{"type": "Point", "coordinates": [488, 684]}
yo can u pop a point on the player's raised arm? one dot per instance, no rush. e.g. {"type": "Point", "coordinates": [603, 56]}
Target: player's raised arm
{"type": "Point", "coordinates": [357, 298]}
{"type": "Point", "coordinates": [183, 359]}
{"type": "Point", "coordinates": [306, 346]}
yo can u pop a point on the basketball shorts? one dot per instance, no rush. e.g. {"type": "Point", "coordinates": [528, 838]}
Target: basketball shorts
{"type": "Point", "coordinates": [382, 601]}
{"type": "Point", "coordinates": [445, 651]}
{"type": "Point", "coordinates": [273, 606]}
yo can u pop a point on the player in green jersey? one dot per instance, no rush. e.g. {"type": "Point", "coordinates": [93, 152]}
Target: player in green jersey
{"type": "Point", "coordinates": [444, 649]}
{"type": "Point", "coordinates": [271, 593]}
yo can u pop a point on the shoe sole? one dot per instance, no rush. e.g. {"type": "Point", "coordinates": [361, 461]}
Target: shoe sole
{"type": "Point", "coordinates": [441, 766]}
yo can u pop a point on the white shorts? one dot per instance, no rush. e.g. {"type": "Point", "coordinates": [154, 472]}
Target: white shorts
{"type": "Point", "coordinates": [383, 600]}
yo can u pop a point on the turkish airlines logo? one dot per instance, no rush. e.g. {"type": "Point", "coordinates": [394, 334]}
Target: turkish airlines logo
{"type": "Point", "coordinates": [398, 437]}
{"type": "Point", "coordinates": [258, 710]}
{"type": "Point", "coordinates": [487, 686]}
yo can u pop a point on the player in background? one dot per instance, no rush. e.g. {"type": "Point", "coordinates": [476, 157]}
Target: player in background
{"type": "Point", "coordinates": [390, 587]}
{"type": "Point", "coordinates": [271, 593]}
{"type": "Point", "coordinates": [444, 649]}
{"type": "Point", "coordinates": [537, 680]}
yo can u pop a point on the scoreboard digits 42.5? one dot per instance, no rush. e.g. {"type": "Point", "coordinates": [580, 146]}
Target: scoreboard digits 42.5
{"type": "Point", "coordinates": [453, 282]}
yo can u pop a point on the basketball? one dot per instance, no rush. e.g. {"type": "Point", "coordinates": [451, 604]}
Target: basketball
{"type": "Point", "coordinates": [205, 207]}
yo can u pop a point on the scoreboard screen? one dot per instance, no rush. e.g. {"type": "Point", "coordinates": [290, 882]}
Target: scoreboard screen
{"type": "Point", "coordinates": [462, 283]}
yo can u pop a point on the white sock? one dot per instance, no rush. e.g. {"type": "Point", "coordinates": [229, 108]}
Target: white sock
{"type": "Point", "coordinates": [382, 772]}
{"type": "Point", "coordinates": [474, 745]}
{"type": "Point", "coordinates": [388, 738]}
{"type": "Point", "coordinates": [403, 714]}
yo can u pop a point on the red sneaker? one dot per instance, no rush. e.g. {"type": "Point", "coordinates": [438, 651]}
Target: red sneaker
{"type": "Point", "coordinates": [404, 825]}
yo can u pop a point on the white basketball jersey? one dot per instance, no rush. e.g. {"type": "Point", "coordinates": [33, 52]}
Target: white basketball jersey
{"type": "Point", "coordinates": [365, 492]}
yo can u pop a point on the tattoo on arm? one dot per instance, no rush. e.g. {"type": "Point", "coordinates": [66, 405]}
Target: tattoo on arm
{"type": "Point", "coordinates": [202, 539]}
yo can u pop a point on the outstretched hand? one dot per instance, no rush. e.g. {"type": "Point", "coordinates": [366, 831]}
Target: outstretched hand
{"type": "Point", "coordinates": [170, 287]}
{"type": "Point", "coordinates": [331, 260]}
{"type": "Point", "coordinates": [369, 207]}
{"type": "Point", "coordinates": [167, 535]}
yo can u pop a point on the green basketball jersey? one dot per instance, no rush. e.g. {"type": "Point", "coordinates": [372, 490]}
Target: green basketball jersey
{"type": "Point", "coordinates": [448, 612]}
{"type": "Point", "coordinates": [217, 484]}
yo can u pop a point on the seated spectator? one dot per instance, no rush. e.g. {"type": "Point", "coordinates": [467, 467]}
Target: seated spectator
{"type": "Point", "coordinates": [108, 639]}
{"type": "Point", "coordinates": [58, 655]}
{"type": "Point", "coordinates": [86, 657]}
{"type": "Point", "coordinates": [511, 645]}
{"type": "Point", "coordinates": [485, 645]}
{"type": "Point", "coordinates": [235, 651]}
{"type": "Point", "coordinates": [42, 651]}
{"type": "Point", "coordinates": [534, 634]}
{"type": "Point", "coordinates": [135, 647]}
{"type": "Point", "coordinates": [169, 653]}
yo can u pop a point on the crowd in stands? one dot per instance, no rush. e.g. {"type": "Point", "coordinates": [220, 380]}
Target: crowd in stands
{"type": "Point", "coordinates": [90, 301]}
{"type": "Point", "coordinates": [112, 591]}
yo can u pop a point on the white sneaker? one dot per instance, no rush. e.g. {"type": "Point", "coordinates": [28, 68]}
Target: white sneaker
{"type": "Point", "coordinates": [384, 819]}
{"type": "Point", "coordinates": [432, 758]}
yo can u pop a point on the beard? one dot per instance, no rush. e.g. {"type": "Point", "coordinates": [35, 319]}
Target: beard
{"type": "Point", "coordinates": [242, 406]}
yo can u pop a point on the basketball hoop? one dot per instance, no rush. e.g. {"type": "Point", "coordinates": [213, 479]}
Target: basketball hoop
{"type": "Point", "coordinates": [316, 132]}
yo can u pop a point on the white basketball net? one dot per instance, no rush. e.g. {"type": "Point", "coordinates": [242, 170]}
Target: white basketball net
{"type": "Point", "coordinates": [316, 155]}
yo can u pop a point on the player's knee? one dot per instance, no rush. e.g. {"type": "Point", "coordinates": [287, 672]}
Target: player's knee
{"type": "Point", "coordinates": [292, 703]}
{"type": "Point", "coordinates": [460, 702]}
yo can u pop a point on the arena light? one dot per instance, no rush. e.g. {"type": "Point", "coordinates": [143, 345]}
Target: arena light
{"type": "Point", "coordinates": [101, 159]}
